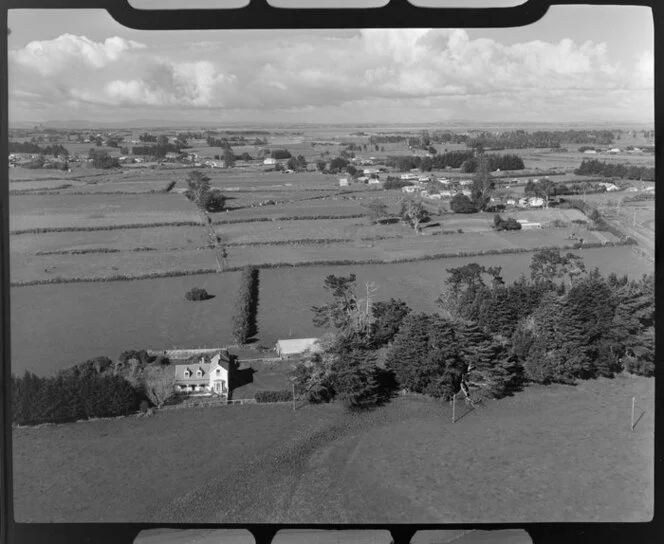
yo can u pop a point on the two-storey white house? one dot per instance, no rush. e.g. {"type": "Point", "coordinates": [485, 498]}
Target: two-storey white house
{"type": "Point", "coordinates": [207, 374]}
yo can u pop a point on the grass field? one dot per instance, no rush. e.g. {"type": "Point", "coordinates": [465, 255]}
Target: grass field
{"type": "Point", "coordinates": [114, 316]}
{"type": "Point", "coordinates": [556, 453]}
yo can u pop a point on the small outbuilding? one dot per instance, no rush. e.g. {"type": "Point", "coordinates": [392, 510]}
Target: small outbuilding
{"type": "Point", "coordinates": [296, 346]}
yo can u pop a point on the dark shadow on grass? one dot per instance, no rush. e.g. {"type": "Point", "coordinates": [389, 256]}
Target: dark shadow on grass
{"type": "Point", "coordinates": [643, 413]}
{"type": "Point", "coordinates": [242, 377]}
{"type": "Point", "coordinates": [468, 411]}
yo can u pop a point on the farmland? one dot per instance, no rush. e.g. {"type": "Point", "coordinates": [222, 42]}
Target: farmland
{"type": "Point", "coordinates": [113, 316]}
{"type": "Point", "coordinates": [323, 465]}
{"type": "Point", "coordinates": [120, 224]}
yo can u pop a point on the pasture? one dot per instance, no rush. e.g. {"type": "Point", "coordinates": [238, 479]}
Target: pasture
{"type": "Point", "coordinates": [548, 454]}
{"type": "Point", "coordinates": [85, 320]}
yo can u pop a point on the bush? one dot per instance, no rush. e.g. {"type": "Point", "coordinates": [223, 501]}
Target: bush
{"type": "Point", "coordinates": [197, 293]}
{"type": "Point", "coordinates": [460, 203]}
{"type": "Point", "coordinates": [281, 154]}
{"type": "Point", "coordinates": [144, 406]}
{"type": "Point", "coordinates": [283, 395]}
{"type": "Point", "coordinates": [505, 224]}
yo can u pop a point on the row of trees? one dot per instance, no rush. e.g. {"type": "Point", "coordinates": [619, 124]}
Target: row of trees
{"type": "Point", "coordinates": [622, 171]}
{"type": "Point", "coordinates": [55, 150]}
{"type": "Point", "coordinates": [560, 325]}
{"type": "Point", "coordinates": [520, 139]}
{"type": "Point", "coordinates": [495, 162]}
{"type": "Point", "coordinates": [70, 397]}
{"type": "Point", "coordinates": [246, 306]}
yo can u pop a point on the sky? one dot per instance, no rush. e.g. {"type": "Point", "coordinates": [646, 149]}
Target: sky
{"type": "Point", "coordinates": [577, 64]}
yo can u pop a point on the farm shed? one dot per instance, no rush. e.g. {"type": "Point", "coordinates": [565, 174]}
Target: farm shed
{"type": "Point", "coordinates": [270, 161]}
{"type": "Point", "coordinates": [296, 346]}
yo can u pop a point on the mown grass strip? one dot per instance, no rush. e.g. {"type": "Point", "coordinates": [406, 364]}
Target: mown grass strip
{"type": "Point", "coordinates": [331, 262]}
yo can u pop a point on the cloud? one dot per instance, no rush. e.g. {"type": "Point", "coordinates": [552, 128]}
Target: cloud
{"type": "Point", "coordinates": [307, 72]}
{"type": "Point", "coordinates": [68, 51]}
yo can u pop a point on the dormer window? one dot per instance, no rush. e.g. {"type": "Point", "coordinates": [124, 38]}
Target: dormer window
{"type": "Point", "coordinates": [199, 373]}
{"type": "Point", "coordinates": [187, 373]}
{"type": "Point", "coordinates": [218, 372]}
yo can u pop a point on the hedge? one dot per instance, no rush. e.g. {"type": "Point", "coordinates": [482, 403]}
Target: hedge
{"type": "Point", "coordinates": [180, 223]}
{"type": "Point", "coordinates": [246, 306]}
{"type": "Point", "coordinates": [339, 262]}
{"type": "Point", "coordinates": [283, 395]}
{"type": "Point", "coordinates": [70, 397]}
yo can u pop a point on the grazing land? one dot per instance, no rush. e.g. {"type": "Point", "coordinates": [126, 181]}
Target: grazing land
{"type": "Point", "coordinates": [559, 453]}
{"type": "Point", "coordinates": [154, 314]}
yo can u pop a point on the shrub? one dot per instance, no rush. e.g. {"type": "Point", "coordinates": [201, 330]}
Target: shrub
{"type": "Point", "coordinates": [283, 395]}
{"type": "Point", "coordinates": [197, 293]}
{"type": "Point", "coordinates": [460, 203]}
{"type": "Point", "coordinates": [144, 406]}
{"type": "Point", "coordinates": [395, 183]}
{"type": "Point", "coordinates": [505, 224]}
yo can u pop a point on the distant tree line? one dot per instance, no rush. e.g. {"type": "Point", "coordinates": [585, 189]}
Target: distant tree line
{"type": "Point", "coordinates": [159, 151]}
{"type": "Point", "coordinates": [519, 139]}
{"type": "Point", "coordinates": [622, 171]}
{"type": "Point", "coordinates": [56, 150]}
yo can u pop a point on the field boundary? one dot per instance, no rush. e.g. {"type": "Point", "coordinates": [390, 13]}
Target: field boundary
{"type": "Point", "coordinates": [331, 262]}
{"type": "Point", "coordinates": [47, 230]}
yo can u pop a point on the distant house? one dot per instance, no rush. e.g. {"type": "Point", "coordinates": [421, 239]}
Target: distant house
{"type": "Point", "coordinates": [408, 189]}
{"type": "Point", "coordinates": [363, 179]}
{"type": "Point", "coordinates": [614, 150]}
{"type": "Point", "coordinates": [535, 202]}
{"type": "Point", "coordinates": [374, 181]}
{"type": "Point", "coordinates": [435, 196]}
{"type": "Point", "coordinates": [296, 346]}
{"type": "Point", "coordinates": [447, 194]}
{"type": "Point", "coordinates": [590, 152]}
{"type": "Point", "coordinates": [205, 374]}
{"type": "Point", "coordinates": [369, 171]}
{"type": "Point", "coordinates": [466, 192]}
{"type": "Point", "coordinates": [510, 202]}
{"type": "Point", "coordinates": [270, 161]}
{"type": "Point", "coordinates": [409, 176]}
{"type": "Point", "coordinates": [343, 182]}
{"type": "Point", "coordinates": [444, 181]}
{"type": "Point", "coordinates": [465, 182]}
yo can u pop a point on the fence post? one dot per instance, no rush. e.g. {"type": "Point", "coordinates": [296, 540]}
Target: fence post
{"type": "Point", "coordinates": [632, 425]}
{"type": "Point", "coordinates": [454, 408]}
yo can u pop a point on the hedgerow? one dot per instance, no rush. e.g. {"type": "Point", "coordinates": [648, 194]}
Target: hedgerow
{"type": "Point", "coordinates": [246, 306]}
{"type": "Point", "coordinates": [336, 262]}
{"type": "Point", "coordinates": [273, 396]}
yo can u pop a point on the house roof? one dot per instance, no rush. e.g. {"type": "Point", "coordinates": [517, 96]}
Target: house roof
{"type": "Point", "coordinates": [206, 363]}
{"type": "Point", "coordinates": [295, 345]}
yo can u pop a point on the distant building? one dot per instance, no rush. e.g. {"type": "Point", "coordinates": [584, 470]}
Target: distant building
{"type": "Point", "coordinates": [270, 161]}
{"type": "Point", "coordinates": [296, 346]}
{"type": "Point", "coordinates": [465, 182]}
{"type": "Point", "coordinates": [343, 182]}
{"type": "Point", "coordinates": [408, 189]}
{"type": "Point", "coordinates": [535, 202]}
{"type": "Point", "coordinates": [374, 181]}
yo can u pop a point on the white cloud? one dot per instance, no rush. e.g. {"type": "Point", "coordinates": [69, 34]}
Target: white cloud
{"type": "Point", "coordinates": [442, 69]}
{"type": "Point", "coordinates": [51, 57]}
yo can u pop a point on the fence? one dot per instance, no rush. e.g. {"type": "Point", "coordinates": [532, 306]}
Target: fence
{"type": "Point", "coordinates": [219, 402]}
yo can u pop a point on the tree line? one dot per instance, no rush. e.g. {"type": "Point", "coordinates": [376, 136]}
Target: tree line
{"type": "Point", "coordinates": [55, 150]}
{"type": "Point", "coordinates": [519, 139]}
{"type": "Point", "coordinates": [622, 171]}
{"type": "Point", "coordinates": [560, 325]}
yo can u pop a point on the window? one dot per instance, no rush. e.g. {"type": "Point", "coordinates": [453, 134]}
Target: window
{"type": "Point", "coordinates": [218, 372]}
{"type": "Point", "coordinates": [199, 373]}
{"type": "Point", "coordinates": [187, 373]}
